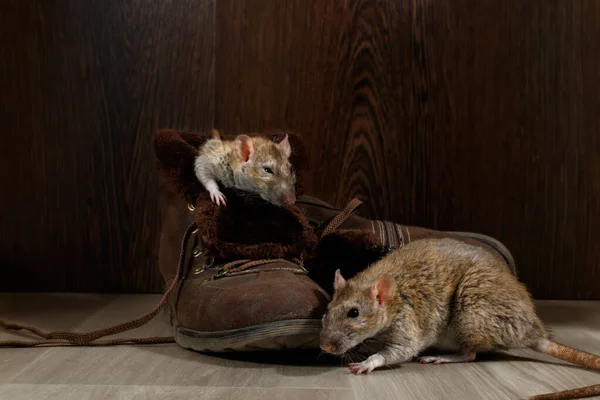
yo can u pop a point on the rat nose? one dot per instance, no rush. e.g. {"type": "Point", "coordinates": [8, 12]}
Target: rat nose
{"type": "Point", "coordinates": [288, 199]}
{"type": "Point", "coordinates": [329, 347]}
{"type": "Point", "coordinates": [328, 344]}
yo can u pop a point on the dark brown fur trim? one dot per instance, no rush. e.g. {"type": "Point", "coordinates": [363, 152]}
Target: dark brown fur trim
{"type": "Point", "coordinates": [249, 227]}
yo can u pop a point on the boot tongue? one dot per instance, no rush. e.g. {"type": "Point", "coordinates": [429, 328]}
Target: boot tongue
{"type": "Point", "coordinates": [251, 228]}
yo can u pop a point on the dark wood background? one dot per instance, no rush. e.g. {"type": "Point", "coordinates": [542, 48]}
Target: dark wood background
{"type": "Point", "coordinates": [461, 115]}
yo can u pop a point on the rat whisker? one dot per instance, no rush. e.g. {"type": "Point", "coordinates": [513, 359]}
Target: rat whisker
{"type": "Point", "coordinates": [353, 355]}
{"type": "Point", "coordinates": [361, 356]}
{"type": "Point", "coordinates": [346, 357]}
{"type": "Point", "coordinates": [343, 359]}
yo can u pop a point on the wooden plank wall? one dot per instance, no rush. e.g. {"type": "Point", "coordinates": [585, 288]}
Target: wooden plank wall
{"type": "Point", "coordinates": [461, 115]}
{"type": "Point", "coordinates": [84, 85]}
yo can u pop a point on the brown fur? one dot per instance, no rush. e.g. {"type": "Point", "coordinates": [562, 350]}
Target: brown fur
{"type": "Point", "coordinates": [444, 292]}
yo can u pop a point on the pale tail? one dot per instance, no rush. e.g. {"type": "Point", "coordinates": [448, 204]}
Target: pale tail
{"type": "Point", "coordinates": [574, 356]}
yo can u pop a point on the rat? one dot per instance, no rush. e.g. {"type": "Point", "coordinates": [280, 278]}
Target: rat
{"type": "Point", "coordinates": [253, 164]}
{"type": "Point", "coordinates": [439, 292]}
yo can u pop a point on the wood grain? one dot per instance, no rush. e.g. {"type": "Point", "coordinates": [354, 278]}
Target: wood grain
{"type": "Point", "coordinates": [455, 115]}
{"type": "Point", "coordinates": [100, 392]}
{"type": "Point", "coordinates": [85, 85]}
{"type": "Point", "coordinates": [169, 371]}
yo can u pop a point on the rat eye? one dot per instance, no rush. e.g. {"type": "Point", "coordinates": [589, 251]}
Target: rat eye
{"type": "Point", "coordinates": [353, 313]}
{"type": "Point", "coordinates": [268, 170]}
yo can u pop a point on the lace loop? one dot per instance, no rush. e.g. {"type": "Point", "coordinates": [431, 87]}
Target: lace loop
{"type": "Point", "coordinates": [91, 338]}
{"type": "Point", "coordinates": [340, 218]}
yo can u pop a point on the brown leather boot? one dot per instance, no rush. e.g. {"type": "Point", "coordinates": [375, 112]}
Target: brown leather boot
{"type": "Point", "coordinates": [350, 242]}
{"type": "Point", "coordinates": [243, 285]}
{"type": "Point", "coordinates": [242, 282]}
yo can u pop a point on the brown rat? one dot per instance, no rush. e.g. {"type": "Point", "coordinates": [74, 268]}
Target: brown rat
{"type": "Point", "coordinates": [257, 165]}
{"type": "Point", "coordinates": [439, 292]}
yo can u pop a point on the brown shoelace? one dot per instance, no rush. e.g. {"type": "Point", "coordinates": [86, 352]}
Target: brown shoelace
{"type": "Point", "coordinates": [339, 219]}
{"type": "Point", "coordinates": [92, 338]}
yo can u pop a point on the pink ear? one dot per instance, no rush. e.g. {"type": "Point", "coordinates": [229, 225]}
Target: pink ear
{"type": "Point", "coordinates": [383, 289]}
{"type": "Point", "coordinates": [285, 146]}
{"type": "Point", "coordinates": [339, 282]}
{"type": "Point", "coordinates": [244, 147]}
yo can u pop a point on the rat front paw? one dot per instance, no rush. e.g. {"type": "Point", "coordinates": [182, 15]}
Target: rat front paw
{"type": "Point", "coordinates": [218, 198]}
{"type": "Point", "coordinates": [367, 366]}
{"type": "Point", "coordinates": [359, 368]}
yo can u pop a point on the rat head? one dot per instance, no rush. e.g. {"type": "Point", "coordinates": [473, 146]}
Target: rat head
{"type": "Point", "coordinates": [266, 169]}
{"type": "Point", "coordinates": [357, 312]}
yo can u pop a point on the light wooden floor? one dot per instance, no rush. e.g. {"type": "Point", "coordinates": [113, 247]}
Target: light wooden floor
{"type": "Point", "coordinates": [170, 372]}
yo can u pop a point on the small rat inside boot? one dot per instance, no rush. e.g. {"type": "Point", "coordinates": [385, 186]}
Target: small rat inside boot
{"type": "Point", "coordinates": [176, 152]}
{"type": "Point", "coordinates": [257, 165]}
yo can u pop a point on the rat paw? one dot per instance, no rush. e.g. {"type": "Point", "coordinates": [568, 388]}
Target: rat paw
{"type": "Point", "coordinates": [359, 368]}
{"type": "Point", "coordinates": [218, 198]}
{"type": "Point", "coordinates": [375, 361]}
{"type": "Point", "coordinates": [430, 360]}
{"type": "Point", "coordinates": [447, 359]}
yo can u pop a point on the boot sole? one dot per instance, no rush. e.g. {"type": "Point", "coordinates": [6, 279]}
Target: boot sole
{"type": "Point", "coordinates": [493, 243]}
{"type": "Point", "coordinates": [277, 335]}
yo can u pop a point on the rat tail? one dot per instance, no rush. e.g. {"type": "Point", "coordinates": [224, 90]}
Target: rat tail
{"type": "Point", "coordinates": [565, 353]}
{"type": "Point", "coordinates": [580, 393]}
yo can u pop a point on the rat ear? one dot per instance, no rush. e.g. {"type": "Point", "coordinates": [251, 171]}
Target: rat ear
{"type": "Point", "coordinates": [383, 289]}
{"type": "Point", "coordinates": [339, 282]}
{"type": "Point", "coordinates": [244, 147]}
{"type": "Point", "coordinates": [214, 134]}
{"type": "Point", "coordinates": [285, 146]}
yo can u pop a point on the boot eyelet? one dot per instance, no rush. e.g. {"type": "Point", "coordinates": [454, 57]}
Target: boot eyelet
{"type": "Point", "coordinates": [198, 270]}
